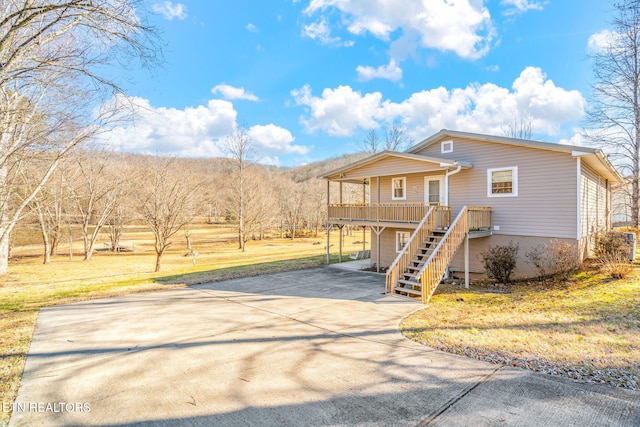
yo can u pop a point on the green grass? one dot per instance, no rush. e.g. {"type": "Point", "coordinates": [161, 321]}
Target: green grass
{"type": "Point", "coordinates": [586, 328]}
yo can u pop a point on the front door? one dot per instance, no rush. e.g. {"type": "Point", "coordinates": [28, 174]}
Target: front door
{"type": "Point", "coordinates": [434, 189]}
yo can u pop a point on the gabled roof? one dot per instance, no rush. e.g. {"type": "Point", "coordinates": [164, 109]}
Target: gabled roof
{"type": "Point", "coordinates": [593, 157]}
{"type": "Point", "coordinates": [443, 163]}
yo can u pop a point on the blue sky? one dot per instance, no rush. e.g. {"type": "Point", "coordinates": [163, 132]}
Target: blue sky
{"type": "Point", "coordinates": [309, 78]}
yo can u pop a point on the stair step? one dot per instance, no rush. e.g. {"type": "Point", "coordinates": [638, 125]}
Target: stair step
{"type": "Point", "coordinates": [426, 249]}
{"type": "Point", "coordinates": [426, 253]}
{"type": "Point", "coordinates": [408, 291]}
{"type": "Point", "coordinates": [409, 283]}
{"type": "Point", "coordinates": [421, 257]}
{"type": "Point", "coordinates": [432, 242]}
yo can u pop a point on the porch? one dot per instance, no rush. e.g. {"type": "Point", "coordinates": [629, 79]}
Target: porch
{"type": "Point", "coordinates": [408, 215]}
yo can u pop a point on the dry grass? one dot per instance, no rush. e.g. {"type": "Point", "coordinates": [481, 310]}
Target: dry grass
{"type": "Point", "coordinates": [586, 328]}
{"type": "Point", "coordinates": [32, 285]}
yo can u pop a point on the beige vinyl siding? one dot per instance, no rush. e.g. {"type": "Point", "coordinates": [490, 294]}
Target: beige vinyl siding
{"type": "Point", "coordinates": [593, 201]}
{"type": "Point", "coordinates": [391, 166]}
{"type": "Point", "coordinates": [477, 246]}
{"type": "Point", "coordinates": [414, 190]}
{"type": "Point", "coordinates": [547, 185]}
{"type": "Point", "coordinates": [388, 244]}
{"type": "Point", "coordinates": [594, 206]}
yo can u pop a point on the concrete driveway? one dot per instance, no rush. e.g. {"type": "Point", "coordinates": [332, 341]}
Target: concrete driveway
{"type": "Point", "coordinates": [310, 347]}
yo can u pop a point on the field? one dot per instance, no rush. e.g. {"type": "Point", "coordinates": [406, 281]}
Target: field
{"type": "Point", "coordinates": [31, 285]}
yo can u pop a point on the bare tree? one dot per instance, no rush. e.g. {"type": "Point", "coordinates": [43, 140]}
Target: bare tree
{"type": "Point", "coordinates": [164, 196]}
{"type": "Point", "coordinates": [614, 117]}
{"type": "Point", "coordinates": [292, 198]}
{"type": "Point", "coordinates": [116, 224]}
{"type": "Point", "coordinates": [396, 137]}
{"type": "Point", "coordinates": [48, 206]}
{"type": "Point", "coordinates": [316, 204]}
{"type": "Point", "coordinates": [96, 193]}
{"type": "Point", "coordinates": [52, 76]}
{"type": "Point", "coordinates": [520, 128]}
{"type": "Point", "coordinates": [371, 143]}
{"type": "Point", "coordinates": [239, 147]}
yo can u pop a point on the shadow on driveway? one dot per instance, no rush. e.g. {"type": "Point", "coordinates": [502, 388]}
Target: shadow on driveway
{"type": "Point", "coordinates": [311, 347]}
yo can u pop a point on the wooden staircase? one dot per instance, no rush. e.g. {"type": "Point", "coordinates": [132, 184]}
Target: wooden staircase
{"type": "Point", "coordinates": [409, 283]}
{"type": "Point", "coordinates": [419, 268]}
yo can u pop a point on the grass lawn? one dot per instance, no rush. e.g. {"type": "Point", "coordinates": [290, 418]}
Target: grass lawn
{"type": "Point", "coordinates": [587, 328]}
{"type": "Point", "coordinates": [31, 285]}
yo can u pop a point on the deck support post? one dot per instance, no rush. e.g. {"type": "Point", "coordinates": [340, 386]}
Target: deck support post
{"type": "Point", "coordinates": [378, 230]}
{"type": "Point", "coordinates": [364, 229]}
{"type": "Point", "coordinates": [340, 227]}
{"type": "Point", "coordinates": [466, 261]}
{"type": "Point", "coordinates": [329, 227]}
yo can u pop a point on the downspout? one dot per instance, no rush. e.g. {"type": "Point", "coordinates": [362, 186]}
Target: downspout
{"type": "Point", "coordinates": [446, 181]}
{"type": "Point", "coordinates": [446, 199]}
{"type": "Point", "coordinates": [579, 199]}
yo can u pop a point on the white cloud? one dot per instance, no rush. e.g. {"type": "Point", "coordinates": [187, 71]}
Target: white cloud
{"type": "Point", "coordinates": [599, 42]}
{"type": "Point", "coordinates": [390, 71]}
{"type": "Point", "coordinates": [170, 10]}
{"type": "Point", "coordinates": [521, 6]}
{"type": "Point", "coordinates": [463, 27]}
{"type": "Point", "coordinates": [320, 31]}
{"type": "Point", "coordinates": [251, 27]}
{"type": "Point", "coordinates": [476, 108]}
{"type": "Point", "coordinates": [194, 132]}
{"type": "Point", "coordinates": [340, 111]}
{"type": "Point", "coordinates": [230, 92]}
{"type": "Point", "coordinates": [578, 139]}
{"type": "Point", "coordinates": [275, 139]}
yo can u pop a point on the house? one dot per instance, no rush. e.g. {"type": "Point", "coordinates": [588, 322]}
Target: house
{"type": "Point", "coordinates": [434, 208]}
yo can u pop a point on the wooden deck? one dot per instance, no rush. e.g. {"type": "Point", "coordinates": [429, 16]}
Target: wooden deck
{"type": "Point", "coordinates": [410, 214]}
{"type": "Point", "coordinates": [368, 214]}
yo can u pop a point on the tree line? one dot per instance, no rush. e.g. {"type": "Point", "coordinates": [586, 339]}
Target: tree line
{"type": "Point", "coordinates": [94, 192]}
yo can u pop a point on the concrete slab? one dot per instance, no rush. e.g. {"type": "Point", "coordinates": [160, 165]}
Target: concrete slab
{"type": "Point", "coordinates": [312, 347]}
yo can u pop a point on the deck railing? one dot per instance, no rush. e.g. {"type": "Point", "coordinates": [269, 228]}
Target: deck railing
{"type": "Point", "coordinates": [436, 218]}
{"type": "Point", "coordinates": [380, 212]}
{"type": "Point", "coordinates": [434, 268]}
{"type": "Point", "coordinates": [470, 218]}
{"type": "Point", "coordinates": [479, 218]}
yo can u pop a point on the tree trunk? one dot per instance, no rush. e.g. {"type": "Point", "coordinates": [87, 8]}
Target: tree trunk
{"type": "Point", "coordinates": [4, 252]}
{"type": "Point", "coordinates": [158, 261]}
{"type": "Point", "coordinates": [89, 251]}
{"type": "Point", "coordinates": [85, 240]}
{"type": "Point", "coordinates": [4, 227]}
{"type": "Point", "coordinates": [70, 245]}
{"type": "Point", "coordinates": [55, 241]}
{"type": "Point", "coordinates": [45, 237]}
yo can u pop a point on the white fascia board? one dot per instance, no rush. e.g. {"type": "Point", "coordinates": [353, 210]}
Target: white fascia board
{"type": "Point", "coordinates": [579, 153]}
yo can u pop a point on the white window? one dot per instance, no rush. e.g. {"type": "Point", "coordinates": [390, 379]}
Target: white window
{"type": "Point", "coordinates": [399, 188]}
{"type": "Point", "coordinates": [446, 147]}
{"type": "Point", "coordinates": [402, 237]}
{"type": "Point", "coordinates": [502, 182]}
